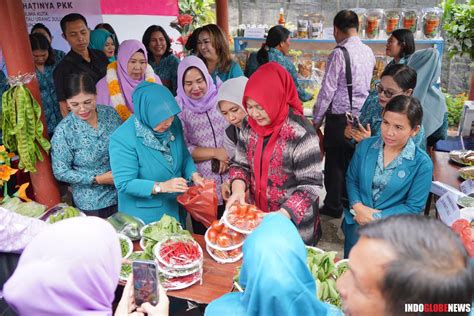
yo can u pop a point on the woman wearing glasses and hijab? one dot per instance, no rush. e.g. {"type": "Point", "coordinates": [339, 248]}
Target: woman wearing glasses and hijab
{"type": "Point", "coordinates": [395, 80]}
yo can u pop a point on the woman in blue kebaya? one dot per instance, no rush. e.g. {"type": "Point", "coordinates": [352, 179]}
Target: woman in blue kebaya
{"type": "Point", "coordinates": [160, 55]}
{"type": "Point", "coordinates": [388, 174]}
{"type": "Point", "coordinates": [274, 275]}
{"type": "Point", "coordinates": [395, 80]}
{"type": "Point", "coordinates": [276, 48]}
{"type": "Point", "coordinates": [150, 161]}
{"type": "Point", "coordinates": [44, 60]}
{"type": "Point", "coordinates": [80, 145]}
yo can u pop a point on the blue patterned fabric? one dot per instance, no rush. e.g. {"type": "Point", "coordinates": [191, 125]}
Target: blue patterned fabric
{"type": "Point", "coordinates": [403, 61]}
{"type": "Point", "coordinates": [151, 141]}
{"type": "Point", "coordinates": [234, 72]}
{"type": "Point", "coordinates": [79, 153]}
{"type": "Point", "coordinates": [371, 113]}
{"type": "Point", "coordinates": [167, 69]}
{"type": "Point", "coordinates": [382, 174]}
{"type": "Point", "coordinates": [58, 56]}
{"type": "Point", "coordinates": [277, 56]}
{"type": "Point", "coordinates": [50, 103]}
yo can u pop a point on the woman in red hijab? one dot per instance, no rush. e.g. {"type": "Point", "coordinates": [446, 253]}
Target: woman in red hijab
{"type": "Point", "coordinates": [278, 155]}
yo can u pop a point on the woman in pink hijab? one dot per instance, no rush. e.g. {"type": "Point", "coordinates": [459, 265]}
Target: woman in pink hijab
{"type": "Point", "coordinates": [123, 75]}
{"type": "Point", "coordinates": [71, 268]}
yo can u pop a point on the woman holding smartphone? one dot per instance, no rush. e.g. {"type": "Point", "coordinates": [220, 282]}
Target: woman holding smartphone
{"type": "Point", "coordinates": [396, 80]}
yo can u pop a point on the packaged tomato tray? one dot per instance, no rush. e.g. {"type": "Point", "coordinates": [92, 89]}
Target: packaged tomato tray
{"type": "Point", "coordinates": [222, 256]}
{"type": "Point", "coordinates": [243, 218]}
{"type": "Point", "coordinates": [223, 238]}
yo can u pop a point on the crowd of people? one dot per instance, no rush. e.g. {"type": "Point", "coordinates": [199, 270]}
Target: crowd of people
{"type": "Point", "coordinates": [132, 126]}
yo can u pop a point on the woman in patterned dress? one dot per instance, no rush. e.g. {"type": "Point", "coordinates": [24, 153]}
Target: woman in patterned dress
{"type": "Point", "coordinates": [278, 155]}
{"type": "Point", "coordinates": [44, 59]}
{"type": "Point", "coordinates": [80, 145]}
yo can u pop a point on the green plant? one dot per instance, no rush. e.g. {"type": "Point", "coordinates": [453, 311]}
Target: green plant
{"type": "Point", "coordinates": [455, 104]}
{"type": "Point", "coordinates": [201, 11]}
{"type": "Point", "coordinates": [459, 26]}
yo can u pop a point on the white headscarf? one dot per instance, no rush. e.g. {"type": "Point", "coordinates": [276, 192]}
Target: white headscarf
{"type": "Point", "coordinates": [233, 91]}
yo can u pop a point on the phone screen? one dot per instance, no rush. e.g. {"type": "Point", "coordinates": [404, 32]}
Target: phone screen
{"type": "Point", "coordinates": [145, 282]}
{"type": "Point", "coordinates": [355, 122]}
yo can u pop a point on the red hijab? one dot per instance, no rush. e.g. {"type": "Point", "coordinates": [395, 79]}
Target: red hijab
{"type": "Point", "coordinates": [272, 87]}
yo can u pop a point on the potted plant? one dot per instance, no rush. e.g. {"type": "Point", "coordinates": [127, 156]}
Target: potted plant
{"type": "Point", "coordinates": [459, 27]}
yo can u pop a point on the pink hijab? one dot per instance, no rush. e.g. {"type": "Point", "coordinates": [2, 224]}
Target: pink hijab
{"type": "Point", "coordinates": [209, 100]}
{"type": "Point", "coordinates": [71, 268]}
{"type": "Point", "coordinates": [127, 84]}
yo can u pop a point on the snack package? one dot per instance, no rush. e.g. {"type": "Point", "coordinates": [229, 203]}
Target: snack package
{"type": "Point", "coordinates": [392, 20]}
{"type": "Point", "coordinates": [410, 20]}
{"type": "Point", "coordinates": [373, 18]}
{"type": "Point", "coordinates": [201, 202]}
{"type": "Point", "coordinates": [431, 22]}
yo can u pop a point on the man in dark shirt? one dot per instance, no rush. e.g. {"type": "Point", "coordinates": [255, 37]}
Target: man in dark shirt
{"type": "Point", "coordinates": [80, 58]}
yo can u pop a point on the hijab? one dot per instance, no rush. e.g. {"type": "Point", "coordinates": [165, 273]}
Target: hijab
{"type": "Point", "coordinates": [272, 87]}
{"type": "Point", "coordinates": [274, 275]}
{"type": "Point", "coordinates": [154, 104]}
{"type": "Point", "coordinates": [70, 268]}
{"type": "Point", "coordinates": [206, 102]}
{"type": "Point", "coordinates": [98, 38]}
{"type": "Point", "coordinates": [232, 91]}
{"type": "Point", "coordinates": [125, 52]}
{"type": "Point", "coordinates": [428, 69]}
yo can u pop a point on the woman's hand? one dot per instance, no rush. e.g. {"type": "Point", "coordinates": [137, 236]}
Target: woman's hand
{"type": "Point", "coordinates": [225, 190]}
{"type": "Point", "coordinates": [162, 309]}
{"type": "Point", "coordinates": [223, 167]}
{"type": "Point", "coordinates": [364, 214]}
{"type": "Point", "coordinates": [175, 185]}
{"type": "Point", "coordinates": [362, 133]}
{"type": "Point", "coordinates": [197, 179]}
{"type": "Point", "coordinates": [127, 302]}
{"type": "Point", "coordinates": [284, 212]}
{"type": "Point", "coordinates": [238, 194]}
{"type": "Point", "coordinates": [105, 178]}
{"type": "Point", "coordinates": [221, 155]}
{"type": "Point", "coordinates": [348, 132]}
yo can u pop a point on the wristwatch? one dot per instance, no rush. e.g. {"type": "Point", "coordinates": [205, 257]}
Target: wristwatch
{"type": "Point", "coordinates": [156, 188]}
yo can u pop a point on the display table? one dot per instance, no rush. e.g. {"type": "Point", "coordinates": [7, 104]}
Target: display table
{"type": "Point", "coordinates": [217, 278]}
{"type": "Point", "coordinates": [445, 171]}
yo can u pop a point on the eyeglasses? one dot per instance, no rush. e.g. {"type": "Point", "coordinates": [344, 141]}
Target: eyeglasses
{"type": "Point", "coordinates": [387, 93]}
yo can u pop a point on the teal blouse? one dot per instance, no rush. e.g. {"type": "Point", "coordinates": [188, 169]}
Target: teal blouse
{"type": "Point", "coordinates": [371, 113]}
{"type": "Point", "coordinates": [382, 174]}
{"type": "Point", "coordinates": [50, 103]}
{"type": "Point", "coordinates": [167, 69]}
{"type": "Point", "coordinates": [234, 72]}
{"type": "Point", "coordinates": [277, 56]}
{"type": "Point", "coordinates": [79, 153]}
{"type": "Point", "coordinates": [58, 56]}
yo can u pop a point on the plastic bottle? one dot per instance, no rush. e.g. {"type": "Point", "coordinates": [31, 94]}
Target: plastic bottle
{"type": "Point", "coordinates": [281, 20]}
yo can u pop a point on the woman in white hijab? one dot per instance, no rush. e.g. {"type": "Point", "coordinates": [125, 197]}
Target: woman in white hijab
{"type": "Point", "coordinates": [229, 104]}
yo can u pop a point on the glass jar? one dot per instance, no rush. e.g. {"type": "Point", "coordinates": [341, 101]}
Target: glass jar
{"type": "Point", "coordinates": [431, 22]}
{"type": "Point", "coordinates": [410, 20]}
{"type": "Point", "coordinates": [373, 18]}
{"type": "Point", "coordinates": [315, 26]}
{"type": "Point", "coordinates": [391, 20]}
{"type": "Point", "coordinates": [302, 26]}
{"type": "Point", "coordinates": [360, 14]}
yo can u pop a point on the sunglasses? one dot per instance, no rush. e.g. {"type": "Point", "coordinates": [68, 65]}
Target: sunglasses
{"type": "Point", "coordinates": [387, 93]}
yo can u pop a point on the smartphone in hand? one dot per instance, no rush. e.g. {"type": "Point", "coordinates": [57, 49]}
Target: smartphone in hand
{"type": "Point", "coordinates": [355, 122]}
{"type": "Point", "coordinates": [145, 282]}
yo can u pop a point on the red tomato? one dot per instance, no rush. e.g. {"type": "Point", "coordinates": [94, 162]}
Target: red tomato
{"type": "Point", "coordinates": [234, 252]}
{"type": "Point", "coordinates": [215, 225]}
{"type": "Point", "coordinates": [225, 230]}
{"type": "Point", "coordinates": [212, 235]}
{"type": "Point", "coordinates": [224, 240]}
{"type": "Point", "coordinates": [250, 216]}
{"type": "Point", "coordinates": [253, 208]}
{"type": "Point", "coordinates": [237, 238]}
